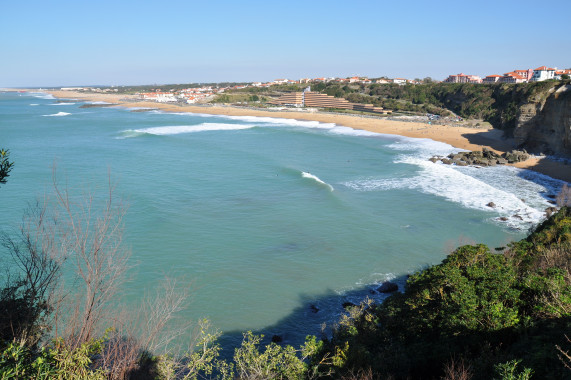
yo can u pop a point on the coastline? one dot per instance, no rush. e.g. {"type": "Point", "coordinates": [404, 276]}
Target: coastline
{"type": "Point", "coordinates": [459, 137]}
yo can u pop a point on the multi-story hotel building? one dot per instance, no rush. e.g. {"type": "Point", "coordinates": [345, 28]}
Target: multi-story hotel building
{"type": "Point", "coordinates": [315, 99]}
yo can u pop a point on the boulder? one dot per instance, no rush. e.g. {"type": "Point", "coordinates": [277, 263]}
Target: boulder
{"type": "Point", "coordinates": [388, 287]}
{"type": "Point", "coordinates": [313, 308]}
{"type": "Point", "coordinates": [549, 211]}
{"type": "Point", "coordinates": [347, 305]}
{"type": "Point", "coordinates": [446, 161]}
{"type": "Point", "coordinates": [433, 159]}
{"type": "Point", "coordinates": [277, 339]}
{"type": "Point", "coordinates": [491, 204]}
{"type": "Point", "coordinates": [516, 156]}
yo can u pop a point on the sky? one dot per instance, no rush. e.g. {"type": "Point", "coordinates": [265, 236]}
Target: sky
{"type": "Point", "coordinates": [121, 42]}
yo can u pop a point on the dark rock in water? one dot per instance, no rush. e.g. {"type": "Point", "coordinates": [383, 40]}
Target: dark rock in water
{"type": "Point", "coordinates": [549, 211]}
{"type": "Point", "coordinates": [503, 218]}
{"type": "Point", "coordinates": [348, 305]}
{"type": "Point", "coordinates": [433, 159]}
{"type": "Point", "coordinates": [144, 110]}
{"type": "Point", "coordinates": [491, 204]}
{"type": "Point", "coordinates": [486, 157]}
{"type": "Point", "coordinates": [89, 105]}
{"type": "Point", "coordinates": [277, 339]}
{"type": "Point", "coordinates": [481, 162]}
{"type": "Point", "coordinates": [372, 291]}
{"type": "Point", "coordinates": [313, 308]}
{"type": "Point", "coordinates": [388, 287]}
{"type": "Point", "coordinates": [518, 217]}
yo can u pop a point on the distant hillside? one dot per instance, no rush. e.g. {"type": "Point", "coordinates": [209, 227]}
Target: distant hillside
{"type": "Point", "coordinates": [537, 114]}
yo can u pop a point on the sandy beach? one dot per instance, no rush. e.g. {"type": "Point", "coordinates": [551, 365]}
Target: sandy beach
{"type": "Point", "coordinates": [459, 137]}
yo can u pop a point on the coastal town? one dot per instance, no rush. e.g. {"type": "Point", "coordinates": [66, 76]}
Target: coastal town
{"type": "Point", "coordinates": [207, 93]}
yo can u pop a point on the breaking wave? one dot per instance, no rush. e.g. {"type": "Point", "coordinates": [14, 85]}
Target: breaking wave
{"type": "Point", "coordinates": [179, 129]}
{"type": "Point", "coordinates": [316, 179]}
{"type": "Point", "coordinates": [59, 114]}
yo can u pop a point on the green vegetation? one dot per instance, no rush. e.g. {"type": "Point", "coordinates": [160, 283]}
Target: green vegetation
{"type": "Point", "coordinates": [482, 307]}
{"type": "Point", "coordinates": [5, 165]}
{"type": "Point", "coordinates": [497, 104]}
{"type": "Point", "coordinates": [237, 98]}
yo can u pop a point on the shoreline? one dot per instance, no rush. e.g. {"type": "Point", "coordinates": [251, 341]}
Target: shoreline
{"type": "Point", "coordinates": [459, 137]}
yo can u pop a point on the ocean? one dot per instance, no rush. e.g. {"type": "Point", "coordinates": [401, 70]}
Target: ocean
{"type": "Point", "coordinates": [263, 221]}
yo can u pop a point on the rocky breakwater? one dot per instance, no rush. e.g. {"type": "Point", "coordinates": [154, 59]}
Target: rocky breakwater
{"type": "Point", "coordinates": [484, 157]}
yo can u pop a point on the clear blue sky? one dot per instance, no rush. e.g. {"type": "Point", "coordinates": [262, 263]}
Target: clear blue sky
{"type": "Point", "coordinates": [65, 43]}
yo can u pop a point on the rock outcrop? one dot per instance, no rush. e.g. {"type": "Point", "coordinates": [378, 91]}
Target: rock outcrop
{"type": "Point", "coordinates": [485, 157]}
{"type": "Point", "coordinates": [543, 125]}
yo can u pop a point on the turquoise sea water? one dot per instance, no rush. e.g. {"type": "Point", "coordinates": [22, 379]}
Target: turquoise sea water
{"type": "Point", "coordinates": [261, 217]}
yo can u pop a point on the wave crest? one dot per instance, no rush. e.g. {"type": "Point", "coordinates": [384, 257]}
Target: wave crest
{"type": "Point", "coordinates": [59, 114]}
{"type": "Point", "coordinates": [316, 179]}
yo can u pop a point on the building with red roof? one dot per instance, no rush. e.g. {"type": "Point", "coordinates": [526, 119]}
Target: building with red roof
{"type": "Point", "coordinates": [543, 73]}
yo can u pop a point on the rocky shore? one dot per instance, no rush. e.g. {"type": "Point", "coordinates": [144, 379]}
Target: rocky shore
{"type": "Point", "coordinates": [485, 157]}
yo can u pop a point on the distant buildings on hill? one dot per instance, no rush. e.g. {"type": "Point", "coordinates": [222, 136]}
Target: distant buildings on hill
{"type": "Point", "coordinates": [517, 76]}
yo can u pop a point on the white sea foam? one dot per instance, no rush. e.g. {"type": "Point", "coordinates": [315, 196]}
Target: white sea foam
{"type": "Point", "coordinates": [98, 103]}
{"type": "Point", "coordinates": [59, 114]}
{"type": "Point", "coordinates": [33, 104]}
{"type": "Point", "coordinates": [518, 202]}
{"type": "Point", "coordinates": [204, 127]}
{"type": "Point", "coordinates": [61, 104]}
{"type": "Point", "coordinates": [316, 179]}
{"type": "Point", "coordinates": [42, 95]}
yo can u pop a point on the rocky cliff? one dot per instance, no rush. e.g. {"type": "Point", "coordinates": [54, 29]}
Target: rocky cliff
{"type": "Point", "coordinates": [543, 123]}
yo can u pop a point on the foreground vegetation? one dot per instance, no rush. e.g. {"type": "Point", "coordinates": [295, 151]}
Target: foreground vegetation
{"type": "Point", "coordinates": [480, 314]}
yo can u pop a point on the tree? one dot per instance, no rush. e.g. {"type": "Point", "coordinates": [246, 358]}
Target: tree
{"type": "Point", "coordinates": [27, 297]}
{"type": "Point", "coordinates": [5, 165]}
{"type": "Point", "coordinates": [93, 237]}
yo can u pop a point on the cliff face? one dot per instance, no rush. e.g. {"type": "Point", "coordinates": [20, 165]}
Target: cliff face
{"type": "Point", "coordinates": [543, 124]}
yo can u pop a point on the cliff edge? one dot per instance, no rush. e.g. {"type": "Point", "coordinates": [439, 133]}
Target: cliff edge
{"type": "Point", "coordinates": [543, 124]}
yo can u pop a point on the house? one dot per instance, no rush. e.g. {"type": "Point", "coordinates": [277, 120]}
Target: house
{"type": "Point", "coordinates": [399, 81]}
{"type": "Point", "coordinates": [354, 79]}
{"type": "Point", "coordinates": [512, 77]}
{"type": "Point", "coordinates": [383, 81]}
{"type": "Point", "coordinates": [525, 74]}
{"type": "Point", "coordinates": [491, 79]}
{"type": "Point", "coordinates": [559, 73]}
{"type": "Point", "coordinates": [543, 73]}
{"type": "Point", "coordinates": [463, 78]}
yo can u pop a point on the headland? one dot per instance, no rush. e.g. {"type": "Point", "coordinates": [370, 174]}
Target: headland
{"type": "Point", "coordinates": [468, 138]}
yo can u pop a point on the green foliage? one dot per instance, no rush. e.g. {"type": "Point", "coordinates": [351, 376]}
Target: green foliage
{"type": "Point", "coordinates": [56, 361]}
{"type": "Point", "coordinates": [486, 308]}
{"type": "Point", "coordinates": [5, 165]}
{"type": "Point", "coordinates": [273, 362]}
{"type": "Point", "coordinates": [22, 314]}
{"type": "Point", "coordinates": [508, 371]}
